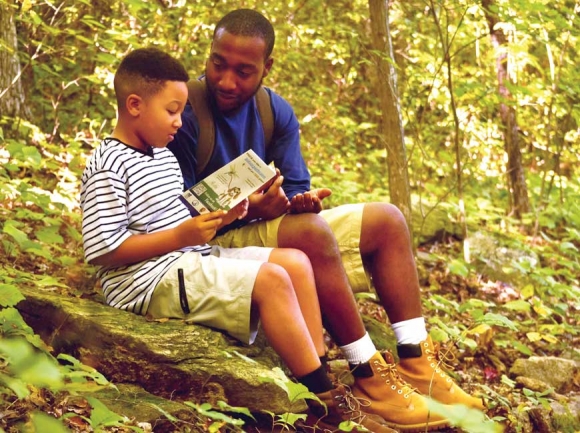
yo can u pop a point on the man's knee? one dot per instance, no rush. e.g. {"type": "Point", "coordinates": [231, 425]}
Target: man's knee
{"type": "Point", "coordinates": [383, 217]}
{"type": "Point", "coordinates": [307, 229]}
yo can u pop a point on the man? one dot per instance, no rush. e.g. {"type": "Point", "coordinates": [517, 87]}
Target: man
{"type": "Point", "coordinates": [371, 237]}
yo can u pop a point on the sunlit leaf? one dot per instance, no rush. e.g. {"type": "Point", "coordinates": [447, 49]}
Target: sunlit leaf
{"type": "Point", "coordinates": [457, 267]}
{"type": "Point", "coordinates": [32, 367]}
{"type": "Point", "coordinates": [234, 409]}
{"type": "Point", "coordinates": [49, 235]}
{"type": "Point", "coordinates": [9, 295]}
{"type": "Point", "coordinates": [206, 410]}
{"type": "Point", "coordinates": [497, 320]}
{"type": "Point", "coordinates": [45, 423]}
{"type": "Point", "coordinates": [18, 235]}
{"type": "Point", "coordinates": [101, 415]}
{"type": "Point", "coordinates": [534, 336]}
{"type": "Point", "coordinates": [471, 420]}
{"type": "Point", "coordinates": [518, 305]}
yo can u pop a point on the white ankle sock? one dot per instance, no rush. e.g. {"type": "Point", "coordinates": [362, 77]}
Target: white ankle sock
{"type": "Point", "coordinates": [359, 351]}
{"type": "Point", "coordinates": [410, 331]}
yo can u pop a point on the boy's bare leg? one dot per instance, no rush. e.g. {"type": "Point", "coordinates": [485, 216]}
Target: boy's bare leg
{"type": "Point", "coordinates": [316, 240]}
{"type": "Point", "coordinates": [275, 301]}
{"type": "Point", "coordinates": [385, 245]}
{"type": "Point", "coordinates": [299, 269]}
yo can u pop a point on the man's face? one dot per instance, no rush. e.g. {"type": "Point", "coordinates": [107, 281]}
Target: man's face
{"type": "Point", "coordinates": [161, 114]}
{"type": "Point", "coordinates": [235, 69]}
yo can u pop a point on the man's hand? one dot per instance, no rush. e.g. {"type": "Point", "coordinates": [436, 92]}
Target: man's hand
{"type": "Point", "coordinates": [238, 212]}
{"type": "Point", "coordinates": [310, 201]}
{"type": "Point", "coordinates": [271, 203]}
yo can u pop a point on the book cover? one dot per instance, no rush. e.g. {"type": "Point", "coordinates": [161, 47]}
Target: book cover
{"type": "Point", "coordinates": [228, 186]}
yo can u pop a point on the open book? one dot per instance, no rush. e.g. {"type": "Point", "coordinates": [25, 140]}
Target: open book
{"type": "Point", "coordinates": [228, 186]}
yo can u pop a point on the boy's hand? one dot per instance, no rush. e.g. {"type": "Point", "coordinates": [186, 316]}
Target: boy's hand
{"type": "Point", "coordinates": [202, 228]}
{"type": "Point", "coordinates": [310, 201]}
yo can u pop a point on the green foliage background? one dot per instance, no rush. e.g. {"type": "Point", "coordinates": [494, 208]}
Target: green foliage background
{"type": "Point", "coordinates": [69, 51]}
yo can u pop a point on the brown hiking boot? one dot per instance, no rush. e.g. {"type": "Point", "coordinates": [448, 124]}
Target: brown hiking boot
{"type": "Point", "coordinates": [421, 366]}
{"type": "Point", "coordinates": [340, 406]}
{"type": "Point", "coordinates": [390, 397]}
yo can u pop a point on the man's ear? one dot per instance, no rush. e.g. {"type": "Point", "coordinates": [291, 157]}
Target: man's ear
{"type": "Point", "coordinates": [134, 104]}
{"type": "Point", "coordinates": [267, 66]}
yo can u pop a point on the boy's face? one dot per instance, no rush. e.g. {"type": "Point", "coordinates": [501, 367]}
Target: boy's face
{"type": "Point", "coordinates": [235, 69]}
{"type": "Point", "coordinates": [160, 114]}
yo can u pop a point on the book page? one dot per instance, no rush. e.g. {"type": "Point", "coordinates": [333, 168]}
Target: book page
{"type": "Point", "coordinates": [228, 186]}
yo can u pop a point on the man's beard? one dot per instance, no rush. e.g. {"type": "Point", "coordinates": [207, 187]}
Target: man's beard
{"type": "Point", "coordinates": [213, 93]}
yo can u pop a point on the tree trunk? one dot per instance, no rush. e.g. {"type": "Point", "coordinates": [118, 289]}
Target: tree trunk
{"type": "Point", "coordinates": [391, 124]}
{"type": "Point", "coordinates": [12, 101]}
{"type": "Point", "coordinates": [519, 201]}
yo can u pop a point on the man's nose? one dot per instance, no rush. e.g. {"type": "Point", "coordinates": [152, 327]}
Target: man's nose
{"type": "Point", "coordinates": [227, 81]}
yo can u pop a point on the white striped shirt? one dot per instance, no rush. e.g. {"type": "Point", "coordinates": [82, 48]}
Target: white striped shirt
{"type": "Point", "coordinates": [127, 192]}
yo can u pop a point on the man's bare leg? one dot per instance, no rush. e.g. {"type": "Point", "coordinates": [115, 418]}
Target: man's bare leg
{"type": "Point", "coordinates": [341, 316]}
{"type": "Point", "coordinates": [385, 246]}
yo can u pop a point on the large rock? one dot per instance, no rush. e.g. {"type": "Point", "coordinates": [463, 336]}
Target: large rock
{"type": "Point", "coordinates": [170, 359]}
{"type": "Point", "coordinates": [501, 263]}
{"type": "Point", "coordinates": [559, 373]}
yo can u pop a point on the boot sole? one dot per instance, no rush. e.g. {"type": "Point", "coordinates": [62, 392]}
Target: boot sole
{"type": "Point", "coordinates": [418, 428]}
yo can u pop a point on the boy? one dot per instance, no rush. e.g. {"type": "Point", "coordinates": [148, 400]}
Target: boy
{"type": "Point", "coordinates": [150, 251]}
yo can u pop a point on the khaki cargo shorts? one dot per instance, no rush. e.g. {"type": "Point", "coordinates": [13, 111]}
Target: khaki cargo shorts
{"type": "Point", "coordinates": [218, 289]}
{"type": "Point", "coordinates": [345, 221]}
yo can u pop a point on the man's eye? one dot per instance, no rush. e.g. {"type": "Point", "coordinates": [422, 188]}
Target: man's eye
{"type": "Point", "coordinates": [243, 74]}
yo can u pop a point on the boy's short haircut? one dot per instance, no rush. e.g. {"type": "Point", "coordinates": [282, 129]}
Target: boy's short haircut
{"type": "Point", "coordinates": [145, 71]}
{"type": "Point", "coordinates": [247, 22]}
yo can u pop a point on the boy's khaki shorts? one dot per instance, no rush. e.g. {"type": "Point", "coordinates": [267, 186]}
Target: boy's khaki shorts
{"type": "Point", "coordinates": [218, 288]}
{"type": "Point", "coordinates": [345, 221]}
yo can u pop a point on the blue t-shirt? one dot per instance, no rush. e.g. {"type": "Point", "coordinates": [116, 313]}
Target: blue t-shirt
{"type": "Point", "coordinates": [240, 131]}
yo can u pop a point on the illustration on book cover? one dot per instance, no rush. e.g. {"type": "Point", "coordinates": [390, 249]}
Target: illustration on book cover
{"type": "Point", "coordinates": [229, 185]}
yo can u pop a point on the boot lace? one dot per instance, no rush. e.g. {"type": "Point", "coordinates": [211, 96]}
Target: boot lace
{"type": "Point", "coordinates": [437, 358]}
{"type": "Point", "coordinates": [349, 407]}
{"type": "Point", "coordinates": [389, 372]}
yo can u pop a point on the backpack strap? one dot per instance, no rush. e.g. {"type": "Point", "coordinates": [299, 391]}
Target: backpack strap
{"type": "Point", "coordinates": [266, 114]}
{"type": "Point", "coordinates": [198, 98]}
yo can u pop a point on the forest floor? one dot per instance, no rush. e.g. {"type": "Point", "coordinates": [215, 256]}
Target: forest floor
{"type": "Point", "coordinates": [482, 368]}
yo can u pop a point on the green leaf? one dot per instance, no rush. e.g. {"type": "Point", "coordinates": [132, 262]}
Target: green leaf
{"type": "Point", "coordinates": [289, 418]}
{"type": "Point", "coordinates": [470, 420]}
{"type": "Point", "coordinates": [522, 348]}
{"type": "Point", "coordinates": [49, 235]}
{"type": "Point", "coordinates": [45, 423]}
{"type": "Point", "coordinates": [102, 416]}
{"type": "Point", "coordinates": [518, 305]}
{"type": "Point", "coordinates": [567, 246]}
{"type": "Point", "coordinates": [80, 370]}
{"type": "Point", "coordinates": [17, 385]}
{"type": "Point", "coordinates": [457, 267]}
{"type": "Point", "coordinates": [10, 295]}
{"type": "Point", "coordinates": [243, 410]}
{"type": "Point", "coordinates": [497, 320]}
{"type": "Point", "coordinates": [205, 409]}
{"type": "Point", "coordinates": [33, 367]}
{"type": "Point", "coordinates": [294, 390]}
{"type": "Point", "coordinates": [18, 235]}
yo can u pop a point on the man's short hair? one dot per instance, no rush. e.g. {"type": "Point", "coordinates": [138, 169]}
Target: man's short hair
{"type": "Point", "coordinates": [145, 71]}
{"type": "Point", "coordinates": [247, 22]}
